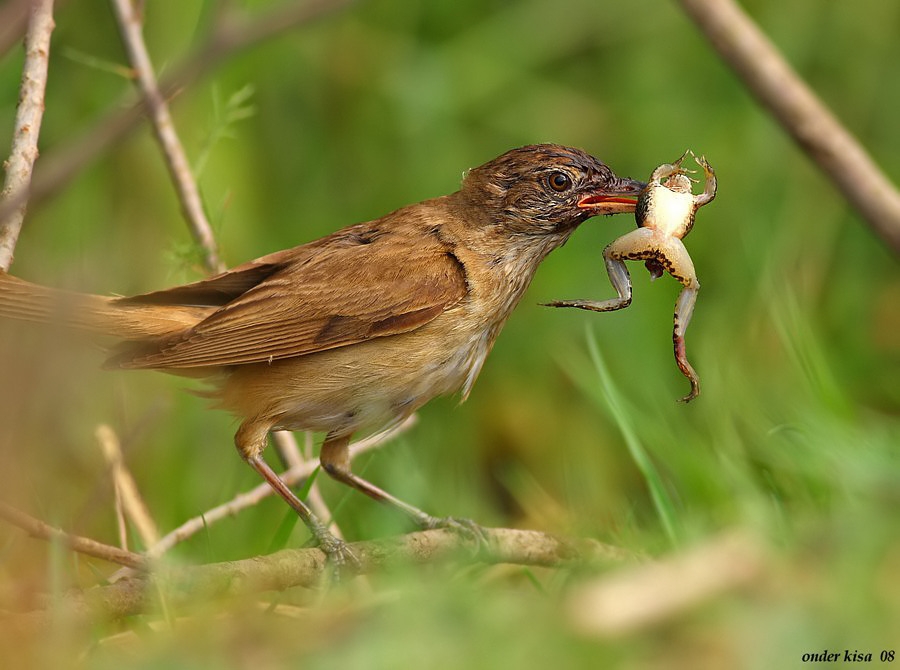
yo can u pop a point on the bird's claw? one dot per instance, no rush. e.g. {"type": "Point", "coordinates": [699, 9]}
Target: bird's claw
{"type": "Point", "coordinates": [465, 528]}
{"type": "Point", "coordinates": [339, 556]}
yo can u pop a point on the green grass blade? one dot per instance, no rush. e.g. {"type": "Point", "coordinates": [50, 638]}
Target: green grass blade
{"type": "Point", "coordinates": [625, 422]}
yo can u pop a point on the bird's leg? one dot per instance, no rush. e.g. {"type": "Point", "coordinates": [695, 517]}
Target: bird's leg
{"type": "Point", "coordinates": [250, 441]}
{"type": "Point", "coordinates": [335, 459]}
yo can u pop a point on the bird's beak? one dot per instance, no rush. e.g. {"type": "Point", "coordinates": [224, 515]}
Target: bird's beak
{"type": "Point", "coordinates": [620, 197]}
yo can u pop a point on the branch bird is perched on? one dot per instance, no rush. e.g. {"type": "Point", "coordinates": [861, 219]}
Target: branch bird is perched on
{"type": "Point", "coordinates": [360, 328]}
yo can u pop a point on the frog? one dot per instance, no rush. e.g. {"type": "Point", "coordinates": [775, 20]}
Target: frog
{"type": "Point", "coordinates": [665, 213]}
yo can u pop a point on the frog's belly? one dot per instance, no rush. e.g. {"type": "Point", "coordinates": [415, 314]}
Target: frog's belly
{"type": "Point", "coordinates": [671, 212]}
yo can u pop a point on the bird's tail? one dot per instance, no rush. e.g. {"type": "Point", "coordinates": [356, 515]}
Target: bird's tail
{"type": "Point", "coordinates": [20, 299]}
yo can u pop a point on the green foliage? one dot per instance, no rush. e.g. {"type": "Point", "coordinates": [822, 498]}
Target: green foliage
{"type": "Point", "coordinates": [795, 334]}
{"type": "Point", "coordinates": [225, 115]}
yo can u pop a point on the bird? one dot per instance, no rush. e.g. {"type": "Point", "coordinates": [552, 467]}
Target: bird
{"type": "Point", "coordinates": [358, 329]}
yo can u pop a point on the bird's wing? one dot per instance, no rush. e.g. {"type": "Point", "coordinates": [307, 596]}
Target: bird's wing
{"type": "Point", "coordinates": [340, 290]}
{"type": "Point", "coordinates": [225, 287]}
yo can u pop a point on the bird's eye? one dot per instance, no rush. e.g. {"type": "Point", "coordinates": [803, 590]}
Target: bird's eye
{"type": "Point", "coordinates": [560, 181]}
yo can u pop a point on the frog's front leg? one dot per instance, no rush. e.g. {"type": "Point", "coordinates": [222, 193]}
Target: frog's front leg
{"type": "Point", "coordinates": [668, 169]}
{"type": "Point", "coordinates": [631, 246]}
{"type": "Point", "coordinates": [709, 189]}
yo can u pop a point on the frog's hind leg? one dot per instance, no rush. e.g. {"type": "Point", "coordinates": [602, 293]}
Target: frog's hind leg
{"type": "Point", "coordinates": [680, 266]}
{"type": "Point", "coordinates": [638, 244]}
{"type": "Point", "coordinates": [684, 308]}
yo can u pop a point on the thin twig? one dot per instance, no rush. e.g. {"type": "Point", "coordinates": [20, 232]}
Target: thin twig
{"type": "Point", "coordinates": [285, 445]}
{"type": "Point", "coordinates": [793, 103]}
{"type": "Point", "coordinates": [130, 28]}
{"type": "Point", "coordinates": [29, 115]}
{"type": "Point", "coordinates": [254, 496]}
{"type": "Point", "coordinates": [82, 545]}
{"type": "Point", "coordinates": [126, 489]}
{"type": "Point", "coordinates": [231, 37]}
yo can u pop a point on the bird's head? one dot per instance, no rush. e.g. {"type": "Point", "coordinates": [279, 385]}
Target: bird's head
{"type": "Point", "coordinates": [546, 189]}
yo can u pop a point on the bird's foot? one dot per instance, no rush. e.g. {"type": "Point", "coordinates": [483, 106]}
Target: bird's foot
{"type": "Point", "coordinates": [340, 558]}
{"type": "Point", "coordinates": [468, 530]}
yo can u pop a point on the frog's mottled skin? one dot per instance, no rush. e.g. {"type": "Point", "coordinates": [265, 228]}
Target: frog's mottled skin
{"type": "Point", "coordinates": [665, 214]}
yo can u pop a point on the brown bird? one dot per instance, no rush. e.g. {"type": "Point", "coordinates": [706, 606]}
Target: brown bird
{"type": "Point", "coordinates": [362, 327]}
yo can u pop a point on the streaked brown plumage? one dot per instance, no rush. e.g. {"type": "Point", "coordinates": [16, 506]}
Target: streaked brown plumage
{"type": "Point", "coordinates": [360, 328]}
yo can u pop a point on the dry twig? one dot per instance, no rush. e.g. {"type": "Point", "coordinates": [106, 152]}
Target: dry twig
{"type": "Point", "coordinates": [82, 545]}
{"type": "Point", "coordinates": [797, 108]}
{"type": "Point", "coordinates": [29, 114]}
{"type": "Point", "coordinates": [126, 489]}
{"type": "Point", "coordinates": [130, 28]}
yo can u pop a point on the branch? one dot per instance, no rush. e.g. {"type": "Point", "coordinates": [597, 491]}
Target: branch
{"type": "Point", "coordinates": [30, 112]}
{"type": "Point", "coordinates": [128, 496]}
{"type": "Point", "coordinates": [82, 545]}
{"type": "Point", "coordinates": [307, 567]}
{"type": "Point", "coordinates": [164, 129]}
{"type": "Point", "coordinates": [230, 38]}
{"type": "Point", "coordinates": [797, 108]}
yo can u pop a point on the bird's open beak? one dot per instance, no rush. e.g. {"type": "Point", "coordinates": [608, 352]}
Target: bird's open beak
{"type": "Point", "coordinates": [618, 198]}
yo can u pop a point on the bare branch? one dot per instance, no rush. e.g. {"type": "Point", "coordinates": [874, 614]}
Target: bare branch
{"type": "Point", "coordinates": [126, 489]}
{"type": "Point", "coordinates": [307, 567]}
{"type": "Point", "coordinates": [176, 161]}
{"type": "Point", "coordinates": [239, 33]}
{"type": "Point", "coordinates": [82, 545]}
{"type": "Point", "coordinates": [29, 115]}
{"type": "Point", "coordinates": [775, 84]}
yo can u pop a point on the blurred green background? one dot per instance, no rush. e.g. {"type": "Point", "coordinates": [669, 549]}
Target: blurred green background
{"type": "Point", "coordinates": [796, 334]}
